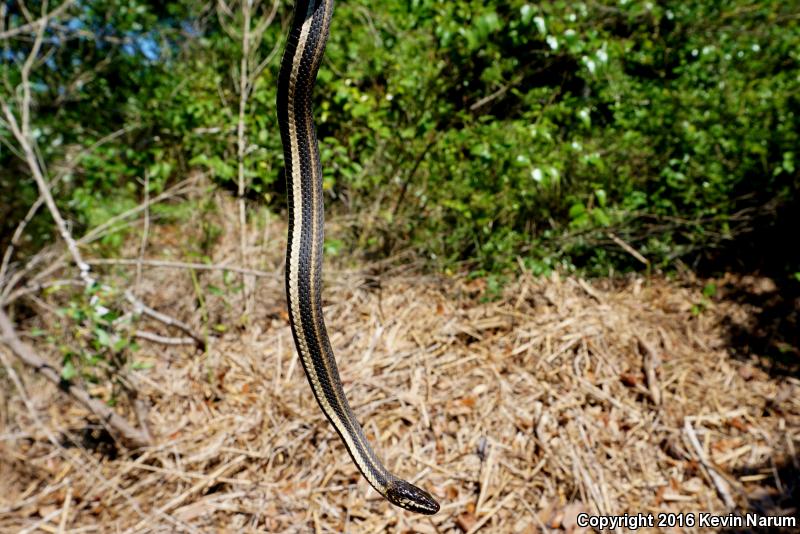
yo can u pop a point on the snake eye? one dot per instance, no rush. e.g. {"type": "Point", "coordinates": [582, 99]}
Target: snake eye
{"type": "Point", "coordinates": [408, 496]}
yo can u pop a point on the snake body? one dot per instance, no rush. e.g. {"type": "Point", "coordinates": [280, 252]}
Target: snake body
{"type": "Point", "coordinates": [301, 60]}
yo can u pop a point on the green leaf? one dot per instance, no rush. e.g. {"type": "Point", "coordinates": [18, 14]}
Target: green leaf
{"type": "Point", "coordinates": [526, 13]}
{"type": "Point", "coordinates": [600, 217]}
{"type": "Point", "coordinates": [602, 199]}
{"type": "Point", "coordinates": [710, 290]}
{"type": "Point", "coordinates": [68, 371]}
{"type": "Point", "coordinates": [333, 246]}
{"type": "Point", "coordinates": [577, 210]}
{"type": "Point", "coordinates": [120, 344]}
{"type": "Point", "coordinates": [102, 337]}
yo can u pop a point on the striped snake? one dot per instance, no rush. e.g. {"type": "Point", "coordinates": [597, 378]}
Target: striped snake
{"type": "Point", "coordinates": [304, 49]}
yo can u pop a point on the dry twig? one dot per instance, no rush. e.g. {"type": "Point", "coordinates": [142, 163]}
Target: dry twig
{"type": "Point", "coordinates": [141, 307]}
{"type": "Point", "coordinates": [720, 483]}
{"type": "Point", "coordinates": [26, 354]}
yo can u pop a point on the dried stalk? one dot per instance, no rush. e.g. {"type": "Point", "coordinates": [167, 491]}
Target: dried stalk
{"type": "Point", "coordinates": [182, 265]}
{"type": "Point", "coordinates": [241, 142]}
{"type": "Point", "coordinates": [141, 307]}
{"type": "Point", "coordinates": [719, 482]}
{"type": "Point", "coordinates": [145, 230]}
{"type": "Point", "coordinates": [250, 38]}
{"type": "Point", "coordinates": [163, 340]}
{"type": "Point", "coordinates": [650, 363]}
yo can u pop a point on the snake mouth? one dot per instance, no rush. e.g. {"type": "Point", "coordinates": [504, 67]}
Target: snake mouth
{"type": "Point", "coordinates": [410, 497]}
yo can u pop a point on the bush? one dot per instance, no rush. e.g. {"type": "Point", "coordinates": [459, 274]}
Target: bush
{"type": "Point", "coordinates": [561, 133]}
{"type": "Point", "coordinates": [508, 129]}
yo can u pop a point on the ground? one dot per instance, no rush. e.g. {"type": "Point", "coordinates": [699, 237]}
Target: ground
{"type": "Point", "coordinates": [517, 409]}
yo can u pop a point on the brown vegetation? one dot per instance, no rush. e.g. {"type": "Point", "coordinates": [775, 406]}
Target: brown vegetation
{"type": "Point", "coordinates": [518, 410]}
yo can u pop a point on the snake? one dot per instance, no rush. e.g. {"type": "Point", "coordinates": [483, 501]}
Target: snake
{"type": "Point", "coordinates": [305, 46]}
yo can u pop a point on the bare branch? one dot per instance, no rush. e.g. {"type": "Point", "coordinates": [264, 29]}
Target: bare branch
{"type": "Point", "coordinates": [650, 362]}
{"type": "Point", "coordinates": [183, 265]}
{"type": "Point", "coordinates": [224, 9]}
{"type": "Point", "coordinates": [8, 294]}
{"type": "Point", "coordinates": [141, 307]}
{"type": "Point", "coordinates": [145, 229]}
{"type": "Point", "coordinates": [35, 25]}
{"type": "Point", "coordinates": [116, 423]}
{"type": "Point", "coordinates": [244, 92]}
{"type": "Point", "coordinates": [21, 133]}
{"type": "Point", "coordinates": [262, 26]}
{"type": "Point", "coordinates": [627, 248]}
{"type": "Point", "coordinates": [70, 160]}
{"type": "Point", "coordinates": [26, 72]}
{"type": "Point", "coordinates": [249, 68]}
{"type": "Point", "coordinates": [9, 252]}
{"type": "Point", "coordinates": [163, 340]}
{"type": "Point", "coordinates": [261, 66]}
{"type": "Point", "coordinates": [99, 230]}
{"type": "Point", "coordinates": [25, 13]}
{"type": "Point", "coordinates": [44, 191]}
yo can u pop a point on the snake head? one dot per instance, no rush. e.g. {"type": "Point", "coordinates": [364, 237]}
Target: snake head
{"type": "Point", "coordinates": [408, 496]}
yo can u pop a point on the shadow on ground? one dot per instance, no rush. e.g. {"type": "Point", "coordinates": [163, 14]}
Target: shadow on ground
{"type": "Point", "coordinates": [771, 333]}
{"type": "Point", "coordinates": [774, 497]}
{"type": "Point", "coordinates": [762, 273]}
{"type": "Point", "coordinates": [759, 273]}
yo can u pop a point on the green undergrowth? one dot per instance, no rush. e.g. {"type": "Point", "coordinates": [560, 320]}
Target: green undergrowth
{"type": "Point", "coordinates": [594, 136]}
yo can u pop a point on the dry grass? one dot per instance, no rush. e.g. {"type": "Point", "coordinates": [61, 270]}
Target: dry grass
{"type": "Point", "coordinates": [560, 396]}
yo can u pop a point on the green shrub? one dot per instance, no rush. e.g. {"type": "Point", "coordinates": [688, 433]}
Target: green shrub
{"type": "Point", "coordinates": [482, 132]}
